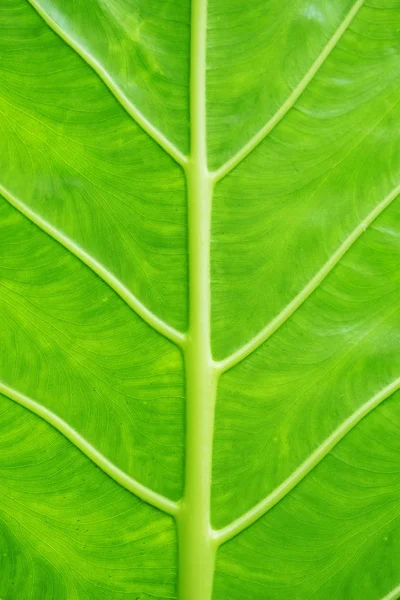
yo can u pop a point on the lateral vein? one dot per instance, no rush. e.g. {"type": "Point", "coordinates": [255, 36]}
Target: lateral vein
{"type": "Point", "coordinates": [115, 90]}
{"type": "Point", "coordinates": [225, 534]}
{"type": "Point", "coordinates": [144, 493]}
{"type": "Point", "coordinates": [134, 303]}
{"type": "Point", "coordinates": [247, 349]}
{"type": "Point", "coordinates": [290, 101]}
{"type": "Point", "coordinates": [393, 595]}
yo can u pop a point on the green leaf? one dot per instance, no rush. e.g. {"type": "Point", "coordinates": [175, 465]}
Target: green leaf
{"type": "Point", "coordinates": [199, 300]}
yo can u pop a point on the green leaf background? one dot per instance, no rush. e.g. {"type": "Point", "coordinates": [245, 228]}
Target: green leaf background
{"type": "Point", "coordinates": [199, 300]}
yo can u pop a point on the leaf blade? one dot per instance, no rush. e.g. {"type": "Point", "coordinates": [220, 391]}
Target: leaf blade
{"type": "Point", "coordinates": [293, 248]}
{"type": "Point", "coordinates": [68, 530]}
{"type": "Point", "coordinates": [332, 534]}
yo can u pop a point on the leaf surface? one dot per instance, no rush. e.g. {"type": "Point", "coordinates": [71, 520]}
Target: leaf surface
{"type": "Point", "coordinates": [199, 300]}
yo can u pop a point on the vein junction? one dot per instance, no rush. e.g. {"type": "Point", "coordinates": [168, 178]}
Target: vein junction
{"type": "Point", "coordinates": [131, 300]}
{"type": "Point", "coordinates": [115, 90]}
{"type": "Point", "coordinates": [90, 451]}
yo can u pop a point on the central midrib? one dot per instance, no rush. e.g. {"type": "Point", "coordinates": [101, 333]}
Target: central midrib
{"type": "Point", "coordinates": [196, 539]}
{"type": "Point", "coordinates": [196, 546]}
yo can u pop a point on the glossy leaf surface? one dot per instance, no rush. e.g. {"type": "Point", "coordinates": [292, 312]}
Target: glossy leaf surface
{"type": "Point", "coordinates": [199, 300]}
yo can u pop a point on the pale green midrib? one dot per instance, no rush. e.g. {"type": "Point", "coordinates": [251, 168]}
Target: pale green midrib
{"type": "Point", "coordinates": [146, 494]}
{"type": "Point", "coordinates": [196, 549]}
{"type": "Point", "coordinates": [115, 90]}
{"type": "Point", "coordinates": [223, 535]}
{"type": "Point", "coordinates": [291, 100]}
{"type": "Point", "coordinates": [134, 303]}
{"type": "Point", "coordinates": [251, 346]}
{"type": "Point", "coordinates": [393, 595]}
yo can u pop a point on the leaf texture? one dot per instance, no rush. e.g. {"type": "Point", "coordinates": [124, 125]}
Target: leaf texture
{"type": "Point", "coordinates": [199, 300]}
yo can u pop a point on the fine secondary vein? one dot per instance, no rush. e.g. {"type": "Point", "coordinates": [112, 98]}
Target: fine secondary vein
{"type": "Point", "coordinates": [141, 491]}
{"type": "Point", "coordinates": [291, 100]}
{"type": "Point", "coordinates": [134, 303]}
{"type": "Point", "coordinates": [223, 535]}
{"type": "Point", "coordinates": [393, 595]}
{"type": "Point", "coordinates": [251, 346]}
{"type": "Point", "coordinates": [115, 90]}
